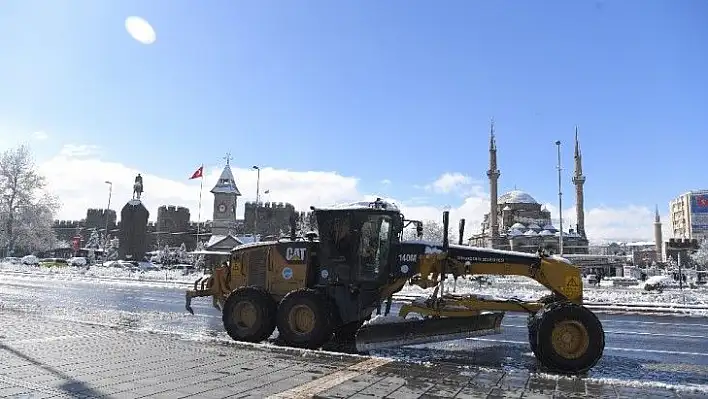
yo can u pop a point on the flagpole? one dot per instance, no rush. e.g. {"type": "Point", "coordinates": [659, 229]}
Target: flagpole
{"type": "Point", "coordinates": [199, 213]}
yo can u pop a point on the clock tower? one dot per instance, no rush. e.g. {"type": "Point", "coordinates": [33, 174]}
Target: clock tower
{"type": "Point", "coordinates": [225, 200]}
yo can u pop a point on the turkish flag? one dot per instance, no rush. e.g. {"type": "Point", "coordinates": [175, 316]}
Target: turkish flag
{"type": "Point", "coordinates": [197, 173]}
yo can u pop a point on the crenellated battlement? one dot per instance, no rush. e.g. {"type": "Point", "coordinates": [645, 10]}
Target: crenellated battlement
{"type": "Point", "coordinates": [165, 210]}
{"type": "Point", "coordinates": [271, 205]}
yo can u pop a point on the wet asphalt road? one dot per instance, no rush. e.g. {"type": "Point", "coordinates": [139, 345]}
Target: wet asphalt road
{"type": "Point", "coordinates": [666, 349]}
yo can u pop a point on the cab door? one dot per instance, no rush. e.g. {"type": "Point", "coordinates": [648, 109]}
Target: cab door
{"type": "Point", "coordinates": [373, 260]}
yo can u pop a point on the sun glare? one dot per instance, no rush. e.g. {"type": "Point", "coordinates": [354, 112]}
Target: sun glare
{"type": "Point", "coordinates": [140, 30]}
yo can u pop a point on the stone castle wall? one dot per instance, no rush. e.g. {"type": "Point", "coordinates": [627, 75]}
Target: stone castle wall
{"type": "Point", "coordinates": [173, 221]}
{"type": "Point", "coordinates": [173, 227]}
{"type": "Point", "coordinates": [96, 218]}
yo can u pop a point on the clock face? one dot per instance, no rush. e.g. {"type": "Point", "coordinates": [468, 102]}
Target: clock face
{"type": "Point", "coordinates": [222, 207]}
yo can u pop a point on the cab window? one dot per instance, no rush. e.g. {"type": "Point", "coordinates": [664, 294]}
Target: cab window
{"type": "Point", "coordinates": [374, 246]}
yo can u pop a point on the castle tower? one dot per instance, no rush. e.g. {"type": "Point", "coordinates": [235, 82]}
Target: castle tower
{"type": "Point", "coordinates": [225, 200]}
{"type": "Point", "coordinates": [658, 240]}
{"type": "Point", "coordinates": [493, 174]}
{"type": "Point", "coordinates": [579, 181]}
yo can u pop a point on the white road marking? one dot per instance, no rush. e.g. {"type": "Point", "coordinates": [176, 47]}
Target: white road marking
{"type": "Point", "coordinates": [621, 332]}
{"type": "Point", "coordinates": [319, 385]}
{"type": "Point", "coordinates": [506, 341]}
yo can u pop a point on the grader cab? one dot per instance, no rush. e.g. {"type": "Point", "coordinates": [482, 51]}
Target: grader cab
{"type": "Point", "coordinates": [326, 288]}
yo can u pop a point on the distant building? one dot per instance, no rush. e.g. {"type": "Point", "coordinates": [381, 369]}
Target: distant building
{"type": "Point", "coordinates": [516, 221]}
{"type": "Point", "coordinates": [689, 215]}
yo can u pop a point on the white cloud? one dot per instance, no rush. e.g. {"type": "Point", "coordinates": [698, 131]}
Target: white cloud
{"type": "Point", "coordinates": [385, 182]}
{"type": "Point", "coordinates": [40, 135]}
{"type": "Point", "coordinates": [77, 175]}
{"type": "Point", "coordinates": [449, 182]}
{"type": "Point", "coordinates": [140, 30]}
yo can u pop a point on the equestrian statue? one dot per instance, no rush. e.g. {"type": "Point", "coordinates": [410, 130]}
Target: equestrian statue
{"type": "Point", "coordinates": [138, 187]}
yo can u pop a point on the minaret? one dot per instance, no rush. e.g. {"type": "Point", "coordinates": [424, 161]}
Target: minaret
{"type": "Point", "coordinates": [658, 241]}
{"type": "Point", "coordinates": [493, 174]}
{"type": "Point", "coordinates": [579, 181]}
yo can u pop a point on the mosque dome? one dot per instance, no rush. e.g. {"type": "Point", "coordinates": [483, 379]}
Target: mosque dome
{"type": "Point", "coordinates": [518, 226]}
{"type": "Point", "coordinates": [534, 226]}
{"type": "Point", "coordinates": [545, 233]}
{"type": "Point", "coordinates": [549, 227]}
{"type": "Point", "coordinates": [514, 233]}
{"type": "Point", "coordinates": [530, 233]}
{"type": "Point", "coordinates": [517, 197]}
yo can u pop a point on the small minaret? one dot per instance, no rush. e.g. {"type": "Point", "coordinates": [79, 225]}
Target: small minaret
{"type": "Point", "coordinates": [493, 174]}
{"type": "Point", "coordinates": [579, 181]}
{"type": "Point", "coordinates": [658, 240]}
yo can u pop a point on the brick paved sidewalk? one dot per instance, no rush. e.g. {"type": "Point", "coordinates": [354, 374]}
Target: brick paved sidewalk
{"type": "Point", "coordinates": [42, 358]}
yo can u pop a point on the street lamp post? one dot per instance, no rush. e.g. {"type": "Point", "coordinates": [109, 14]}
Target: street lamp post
{"type": "Point", "coordinates": [105, 241]}
{"type": "Point", "coordinates": [258, 198]}
{"type": "Point", "coordinates": [560, 201]}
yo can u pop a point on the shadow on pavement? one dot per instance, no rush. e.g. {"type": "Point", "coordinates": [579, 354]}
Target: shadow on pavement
{"type": "Point", "coordinates": [70, 385]}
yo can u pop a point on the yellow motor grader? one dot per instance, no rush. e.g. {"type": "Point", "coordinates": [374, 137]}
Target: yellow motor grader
{"type": "Point", "coordinates": [325, 287]}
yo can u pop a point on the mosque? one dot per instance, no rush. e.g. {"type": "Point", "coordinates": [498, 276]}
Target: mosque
{"type": "Point", "coordinates": [516, 221]}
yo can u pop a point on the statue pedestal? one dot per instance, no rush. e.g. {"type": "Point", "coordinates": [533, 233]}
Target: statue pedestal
{"type": "Point", "coordinates": [133, 231]}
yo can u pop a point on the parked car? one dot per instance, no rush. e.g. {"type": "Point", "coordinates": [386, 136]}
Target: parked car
{"type": "Point", "coordinates": [77, 261]}
{"type": "Point", "coordinates": [30, 260]}
{"type": "Point", "coordinates": [53, 262]}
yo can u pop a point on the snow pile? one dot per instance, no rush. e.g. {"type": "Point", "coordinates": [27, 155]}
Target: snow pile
{"type": "Point", "coordinates": [381, 319]}
{"type": "Point", "coordinates": [148, 274]}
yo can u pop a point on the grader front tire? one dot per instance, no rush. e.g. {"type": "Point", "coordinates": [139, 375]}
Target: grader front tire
{"type": "Point", "coordinates": [305, 319]}
{"type": "Point", "coordinates": [569, 338]}
{"type": "Point", "coordinates": [249, 314]}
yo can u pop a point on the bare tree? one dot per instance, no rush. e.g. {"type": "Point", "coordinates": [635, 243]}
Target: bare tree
{"type": "Point", "coordinates": [26, 210]}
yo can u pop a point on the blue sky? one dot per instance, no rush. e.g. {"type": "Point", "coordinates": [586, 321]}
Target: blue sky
{"type": "Point", "coordinates": [397, 90]}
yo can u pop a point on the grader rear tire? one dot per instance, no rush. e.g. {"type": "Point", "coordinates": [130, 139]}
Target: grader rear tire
{"type": "Point", "coordinates": [569, 338]}
{"type": "Point", "coordinates": [249, 314]}
{"type": "Point", "coordinates": [305, 319]}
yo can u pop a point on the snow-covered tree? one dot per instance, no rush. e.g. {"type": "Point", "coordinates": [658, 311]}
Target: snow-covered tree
{"type": "Point", "coordinates": [112, 249]}
{"type": "Point", "coordinates": [701, 256]}
{"type": "Point", "coordinates": [182, 256]}
{"type": "Point", "coordinates": [26, 209]}
{"type": "Point", "coordinates": [200, 246]}
{"type": "Point", "coordinates": [33, 229]}
{"type": "Point", "coordinates": [94, 240]}
{"type": "Point", "coordinates": [432, 231]}
{"type": "Point", "coordinates": [305, 223]}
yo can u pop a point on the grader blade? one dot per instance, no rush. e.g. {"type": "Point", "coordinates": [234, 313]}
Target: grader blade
{"type": "Point", "coordinates": [415, 332]}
